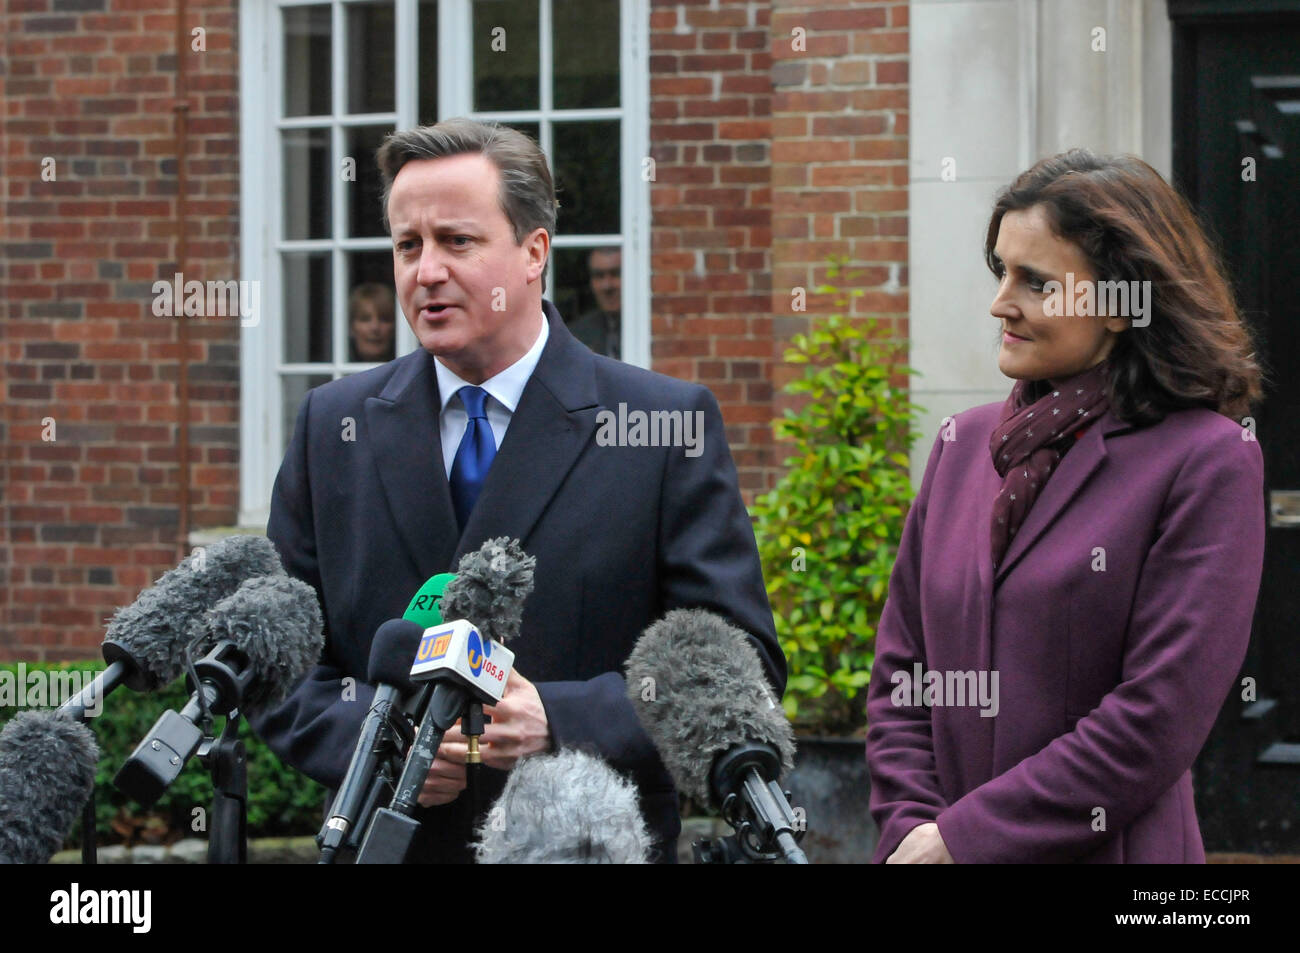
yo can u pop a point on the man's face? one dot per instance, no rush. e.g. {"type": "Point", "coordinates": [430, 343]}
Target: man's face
{"type": "Point", "coordinates": [606, 269]}
{"type": "Point", "coordinates": [470, 294]}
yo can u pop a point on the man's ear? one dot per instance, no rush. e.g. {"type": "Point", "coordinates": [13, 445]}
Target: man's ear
{"type": "Point", "coordinates": [538, 248]}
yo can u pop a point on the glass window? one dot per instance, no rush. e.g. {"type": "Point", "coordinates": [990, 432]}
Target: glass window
{"type": "Point", "coordinates": [336, 272]}
{"type": "Point", "coordinates": [588, 292]}
{"type": "Point", "coordinates": [507, 61]}
{"type": "Point", "coordinates": [585, 45]}
{"type": "Point", "coordinates": [371, 58]}
{"type": "Point", "coordinates": [307, 61]}
{"type": "Point", "coordinates": [354, 70]}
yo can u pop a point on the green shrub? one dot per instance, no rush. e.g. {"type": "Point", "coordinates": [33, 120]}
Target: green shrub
{"type": "Point", "coordinates": [281, 801]}
{"type": "Point", "coordinates": [828, 532]}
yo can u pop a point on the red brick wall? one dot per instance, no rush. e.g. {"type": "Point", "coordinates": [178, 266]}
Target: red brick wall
{"type": "Point", "coordinates": [91, 517]}
{"type": "Point", "coordinates": [770, 158]}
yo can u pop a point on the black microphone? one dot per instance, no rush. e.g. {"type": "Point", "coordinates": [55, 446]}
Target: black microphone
{"type": "Point", "coordinates": [698, 687]}
{"type": "Point", "coordinates": [144, 643]}
{"type": "Point", "coordinates": [488, 592]}
{"type": "Point", "coordinates": [263, 640]}
{"type": "Point", "coordinates": [391, 655]}
{"type": "Point", "coordinates": [569, 807]}
{"type": "Point", "coordinates": [47, 771]}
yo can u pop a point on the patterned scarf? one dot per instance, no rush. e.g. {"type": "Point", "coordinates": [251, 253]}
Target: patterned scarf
{"type": "Point", "coordinates": [1033, 434]}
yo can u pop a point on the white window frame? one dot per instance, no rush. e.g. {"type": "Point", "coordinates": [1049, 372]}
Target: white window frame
{"type": "Point", "coordinates": [261, 84]}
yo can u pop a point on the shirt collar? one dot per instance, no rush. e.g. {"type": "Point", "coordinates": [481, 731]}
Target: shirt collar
{"type": "Point", "coordinates": [508, 386]}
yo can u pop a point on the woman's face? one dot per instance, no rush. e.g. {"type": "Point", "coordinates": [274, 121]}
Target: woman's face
{"type": "Point", "coordinates": [372, 333]}
{"type": "Point", "coordinates": [1037, 345]}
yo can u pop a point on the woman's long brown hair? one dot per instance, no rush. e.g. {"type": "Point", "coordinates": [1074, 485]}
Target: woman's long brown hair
{"type": "Point", "coordinates": [1133, 226]}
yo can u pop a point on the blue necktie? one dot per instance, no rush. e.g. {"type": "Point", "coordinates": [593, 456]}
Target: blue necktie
{"type": "Point", "coordinates": [474, 455]}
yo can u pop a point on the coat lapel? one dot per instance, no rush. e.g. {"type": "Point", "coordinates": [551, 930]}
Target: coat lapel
{"type": "Point", "coordinates": [1074, 470]}
{"type": "Point", "coordinates": [554, 421]}
{"type": "Point", "coordinates": [407, 451]}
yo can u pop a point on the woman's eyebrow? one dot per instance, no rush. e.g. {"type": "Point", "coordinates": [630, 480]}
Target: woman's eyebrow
{"type": "Point", "coordinates": [1030, 271]}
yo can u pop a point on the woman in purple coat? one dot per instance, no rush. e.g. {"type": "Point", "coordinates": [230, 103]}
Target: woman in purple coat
{"type": "Point", "coordinates": [1074, 588]}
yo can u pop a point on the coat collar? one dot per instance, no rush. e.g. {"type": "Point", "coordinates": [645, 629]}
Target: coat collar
{"type": "Point", "coordinates": [1075, 469]}
{"type": "Point", "coordinates": [555, 418]}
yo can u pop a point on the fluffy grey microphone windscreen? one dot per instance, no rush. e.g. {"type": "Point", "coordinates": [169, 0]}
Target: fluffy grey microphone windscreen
{"type": "Point", "coordinates": [698, 687]}
{"type": "Point", "coordinates": [155, 628]}
{"type": "Point", "coordinates": [47, 770]}
{"type": "Point", "coordinates": [564, 808]}
{"type": "Point", "coordinates": [490, 587]}
{"type": "Point", "coordinates": [276, 622]}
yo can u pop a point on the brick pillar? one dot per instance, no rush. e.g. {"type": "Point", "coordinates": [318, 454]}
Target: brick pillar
{"type": "Point", "coordinates": [711, 235]}
{"type": "Point", "coordinates": [90, 517]}
{"type": "Point", "coordinates": [839, 163]}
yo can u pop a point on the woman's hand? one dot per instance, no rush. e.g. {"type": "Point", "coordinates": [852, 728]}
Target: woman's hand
{"type": "Point", "coordinates": [922, 845]}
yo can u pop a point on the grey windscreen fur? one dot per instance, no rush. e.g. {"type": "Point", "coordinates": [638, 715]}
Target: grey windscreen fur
{"type": "Point", "coordinates": [490, 587]}
{"type": "Point", "coordinates": [276, 622]}
{"type": "Point", "coordinates": [564, 808]}
{"type": "Point", "coordinates": [699, 689]}
{"type": "Point", "coordinates": [47, 771]}
{"type": "Point", "coordinates": [155, 628]}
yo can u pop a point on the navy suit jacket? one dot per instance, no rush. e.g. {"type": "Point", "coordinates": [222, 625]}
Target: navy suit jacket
{"type": "Point", "coordinates": [622, 534]}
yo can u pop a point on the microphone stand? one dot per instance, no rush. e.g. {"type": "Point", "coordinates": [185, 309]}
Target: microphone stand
{"type": "Point", "coordinates": [472, 725]}
{"type": "Point", "coordinates": [756, 808]}
{"type": "Point", "coordinates": [393, 829]}
{"type": "Point", "coordinates": [89, 851]}
{"type": "Point", "coordinates": [719, 850]}
{"type": "Point", "coordinates": [121, 668]}
{"type": "Point", "coordinates": [218, 679]}
{"type": "Point", "coordinates": [393, 737]}
{"type": "Point", "coordinates": [225, 760]}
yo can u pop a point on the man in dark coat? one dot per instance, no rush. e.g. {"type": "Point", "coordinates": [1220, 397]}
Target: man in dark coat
{"type": "Point", "coordinates": [383, 486]}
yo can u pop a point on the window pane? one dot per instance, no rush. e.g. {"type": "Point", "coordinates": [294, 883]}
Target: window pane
{"type": "Point", "coordinates": [372, 308]}
{"type": "Point", "coordinates": [584, 38]}
{"type": "Point", "coordinates": [585, 163]}
{"type": "Point", "coordinates": [307, 75]}
{"type": "Point", "coordinates": [426, 64]}
{"type": "Point", "coordinates": [371, 51]}
{"type": "Point", "coordinates": [365, 217]}
{"type": "Point", "coordinates": [587, 290]}
{"type": "Point", "coordinates": [294, 388]}
{"type": "Point", "coordinates": [307, 307]}
{"type": "Point", "coordinates": [506, 63]}
{"type": "Point", "coordinates": [306, 179]}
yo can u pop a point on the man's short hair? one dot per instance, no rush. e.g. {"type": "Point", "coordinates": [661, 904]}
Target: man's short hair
{"type": "Point", "coordinates": [527, 193]}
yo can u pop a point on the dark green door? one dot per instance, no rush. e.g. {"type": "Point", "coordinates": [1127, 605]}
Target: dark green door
{"type": "Point", "coordinates": [1236, 142]}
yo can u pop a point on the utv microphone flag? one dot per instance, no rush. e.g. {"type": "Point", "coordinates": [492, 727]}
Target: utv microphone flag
{"type": "Point", "coordinates": [457, 649]}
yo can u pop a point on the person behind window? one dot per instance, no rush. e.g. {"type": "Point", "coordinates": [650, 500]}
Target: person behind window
{"type": "Point", "coordinates": [371, 327]}
{"type": "Point", "coordinates": [1074, 588]}
{"type": "Point", "coordinates": [601, 328]}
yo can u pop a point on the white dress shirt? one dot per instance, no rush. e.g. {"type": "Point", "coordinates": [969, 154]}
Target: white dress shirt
{"type": "Point", "coordinates": [503, 390]}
